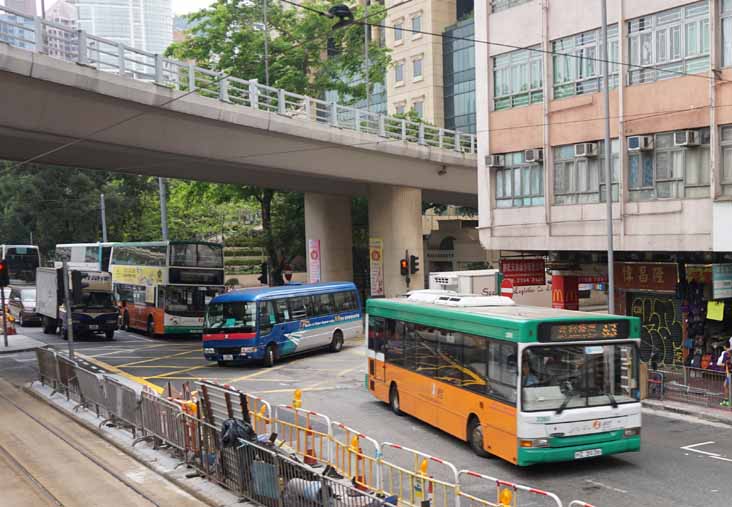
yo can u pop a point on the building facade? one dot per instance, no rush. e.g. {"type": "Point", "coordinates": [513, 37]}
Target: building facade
{"type": "Point", "coordinates": [18, 30]}
{"type": "Point", "coordinates": [541, 179]}
{"type": "Point", "coordinates": [62, 43]}
{"type": "Point", "coordinates": [458, 53]}
{"type": "Point", "coordinates": [142, 24]}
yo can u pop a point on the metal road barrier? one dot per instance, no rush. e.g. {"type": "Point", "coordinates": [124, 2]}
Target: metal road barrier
{"type": "Point", "coordinates": [160, 422]}
{"type": "Point", "coordinates": [122, 405]}
{"type": "Point", "coordinates": [67, 377]}
{"type": "Point", "coordinates": [48, 367]}
{"type": "Point", "coordinates": [356, 456]}
{"type": "Point", "coordinates": [91, 386]}
{"type": "Point", "coordinates": [415, 484]}
{"type": "Point", "coordinates": [475, 488]}
{"type": "Point", "coordinates": [222, 402]}
{"type": "Point", "coordinates": [689, 385]}
{"type": "Point", "coordinates": [655, 385]}
{"type": "Point", "coordinates": [62, 42]}
{"type": "Point", "coordinates": [307, 432]}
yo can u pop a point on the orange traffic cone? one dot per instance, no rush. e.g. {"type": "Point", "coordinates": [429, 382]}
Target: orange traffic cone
{"type": "Point", "coordinates": [310, 457]}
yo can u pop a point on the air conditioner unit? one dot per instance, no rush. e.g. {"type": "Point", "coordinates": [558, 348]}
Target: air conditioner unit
{"type": "Point", "coordinates": [585, 150]}
{"type": "Point", "coordinates": [640, 143]}
{"type": "Point", "coordinates": [686, 138]}
{"type": "Point", "coordinates": [534, 155]}
{"type": "Point", "coordinates": [495, 160]}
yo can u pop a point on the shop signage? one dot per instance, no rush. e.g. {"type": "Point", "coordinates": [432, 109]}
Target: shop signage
{"type": "Point", "coordinates": [376, 266]}
{"type": "Point", "coordinates": [721, 281]}
{"type": "Point", "coordinates": [313, 260]}
{"type": "Point", "coordinates": [699, 273]}
{"type": "Point", "coordinates": [565, 292]}
{"type": "Point", "coordinates": [646, 276]}
{"type": "Point", "coordinates": [523, 272]}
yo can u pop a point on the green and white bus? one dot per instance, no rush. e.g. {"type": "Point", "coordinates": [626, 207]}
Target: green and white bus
{"type": "Point", "coordinates": [527, 384]}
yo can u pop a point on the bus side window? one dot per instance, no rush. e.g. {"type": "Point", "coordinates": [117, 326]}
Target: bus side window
{"type": "Point", "coordinates": [377, 327]}
{"type": "Point", "coordinates": [266, 317]}
{"type": "Point", "coordinates": [280, 306]}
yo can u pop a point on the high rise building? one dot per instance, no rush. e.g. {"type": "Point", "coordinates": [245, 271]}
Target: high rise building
{"type": "Point", "coordinates": [142, 24]}
{"type": "Point", "coordinates": [62, 43]}
{"type": "Point", "coordinates": [27, 7]}
{"type": "Point", "coordinates": [18, 30]}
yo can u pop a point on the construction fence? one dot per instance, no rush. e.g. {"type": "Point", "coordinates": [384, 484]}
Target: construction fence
{"type": "Point", "coordinates": [284, 455]}
{"type": "Point", "coordinates": [690, 385]}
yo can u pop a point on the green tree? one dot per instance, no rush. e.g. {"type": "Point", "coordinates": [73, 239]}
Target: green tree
{"type": "Point", "coordinates": [306, 56]}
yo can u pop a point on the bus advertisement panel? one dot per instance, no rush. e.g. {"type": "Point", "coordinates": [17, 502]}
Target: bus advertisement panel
{"type": "Point", "coordinates": [268, 323]}
{"type": "Point", "coordinates": [528, 384]}
{"type": "Point", "coordinates": [23, 260]}
{"type": "Point", "coordinates": [163, 287]}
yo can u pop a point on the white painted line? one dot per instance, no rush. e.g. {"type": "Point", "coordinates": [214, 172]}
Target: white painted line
{"type": "Point", "coordinates": [601, 485]}
{"type": "Point", "coordinates": [713, 455]}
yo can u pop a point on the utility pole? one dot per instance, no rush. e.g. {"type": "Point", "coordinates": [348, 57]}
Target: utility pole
{"type": "Point", "coordinates": [163, 208]}
{"type": "Point", "coordinates": [68, 306]}
{"type": "Point", "coordinates": [266, 43]}
{"type": "Point", "coordinates": [608, 163]}
{"type": "Point", "coordinates": [103, 209]}
{"type": "Point", "coordinates": [5, 314]}
{"type": "Point", "coordinates": [366, 38]}
{"type": "Point", "coordinates": [43, 9]}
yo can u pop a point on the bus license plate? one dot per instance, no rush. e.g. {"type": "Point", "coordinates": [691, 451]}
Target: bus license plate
{"type": "Point", "coordinates": [228, 357]}
{"type": "Point", "coordinates": [589, 453]}
{"type": "Point", "coordinates": [93, 327]}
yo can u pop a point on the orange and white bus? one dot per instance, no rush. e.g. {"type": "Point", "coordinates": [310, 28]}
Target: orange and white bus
{"type": "Point", "coordinates": [163, 287]}
{"type": "Point", "coordinates": [528, 384]}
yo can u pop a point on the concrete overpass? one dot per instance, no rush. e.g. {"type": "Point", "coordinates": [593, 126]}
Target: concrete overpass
{"type": "Point", "coordinates": [167, 118]}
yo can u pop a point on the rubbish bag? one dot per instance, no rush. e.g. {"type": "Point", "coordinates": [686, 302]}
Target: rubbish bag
{"type": "Point", "coordinates": [233, 429]}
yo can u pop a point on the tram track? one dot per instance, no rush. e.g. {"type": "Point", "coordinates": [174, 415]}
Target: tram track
{"type": "Point", "coordinates": [36, 482]}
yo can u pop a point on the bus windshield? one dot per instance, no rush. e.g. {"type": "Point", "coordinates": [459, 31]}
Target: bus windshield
{"type": "Point", "coordinates": [577, 376]}
{"type": "Point", "coordinates": [186, 301]}
{"type": "Point", "coordinates": [22, 264]}
{"type": "Point", "coordinates": [96, 300]}
{"type": "Point", "coordinates": [237, 316]}
{"type": "Point", "coordinates": [196, 255]}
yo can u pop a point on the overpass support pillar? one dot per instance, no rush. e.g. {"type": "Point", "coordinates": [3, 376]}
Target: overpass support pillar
{"type": "Point", "coordinates": [328, 221]}
{"type": "Point", "coordinates": [395, 217]}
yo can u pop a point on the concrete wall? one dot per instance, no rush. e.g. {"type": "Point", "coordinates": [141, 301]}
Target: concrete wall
{"type": "Point", "coordinates": [328, 219]}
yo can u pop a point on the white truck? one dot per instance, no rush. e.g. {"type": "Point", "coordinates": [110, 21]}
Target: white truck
{"type": "Point", "coordinates": [487, 282]}
{"type": "Point", "coordinates": [93, 310]}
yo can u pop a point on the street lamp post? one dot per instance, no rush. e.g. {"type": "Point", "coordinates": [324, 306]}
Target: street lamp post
{"type": "Point", "coordinates": [608, 161]}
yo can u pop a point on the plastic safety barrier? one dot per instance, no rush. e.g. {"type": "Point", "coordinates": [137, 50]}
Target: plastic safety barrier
{"type": "Point", "coordinates": [413, 482]}
{"type": "Point", "coordinates": [308, 433]}
{"type": "Point", "coordinates": [473, 494]}
{"type": "Point", "coordinates": [357, 456]}
{"type": "Point", "coordinates": [222, 402]}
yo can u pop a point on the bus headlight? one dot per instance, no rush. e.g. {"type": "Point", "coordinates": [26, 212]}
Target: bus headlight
{"type": "Point", "coordinates": [535, 442]}
{"type": "Point", "coordinates": [248, 350]}
{"type": "Point", "coordinates": [209, 350]}
{"type": "Point", "coordinates": [631, 432]}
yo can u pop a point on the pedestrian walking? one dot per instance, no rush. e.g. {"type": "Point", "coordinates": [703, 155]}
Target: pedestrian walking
{"type": "Point", "coordinates": [725, 360]}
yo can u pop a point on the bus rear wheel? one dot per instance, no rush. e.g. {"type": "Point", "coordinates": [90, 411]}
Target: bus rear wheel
{"type": "Point", "coordinates": [270, 355]}
{"type": "Point", "coordinates": [394, 400]}
{"type": "Point", "coordinates": [336, 344]}
{"type": "Point", "coordinates": [475, 437]}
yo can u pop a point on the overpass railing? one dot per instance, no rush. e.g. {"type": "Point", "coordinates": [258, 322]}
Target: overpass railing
{"type": "Point", "coordinates": [73, 45]}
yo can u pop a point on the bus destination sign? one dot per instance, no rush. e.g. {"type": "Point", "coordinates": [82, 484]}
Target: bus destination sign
{"type": "Point", "coordinates": [583, 331]}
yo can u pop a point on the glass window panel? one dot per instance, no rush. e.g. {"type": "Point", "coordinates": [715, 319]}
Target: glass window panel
{"type": "Point", "coordinates": [595, 166]}
{"type": "Point", "coordinates": [634, 172]}
{"type": "Point", "coordinates": [705, 36]}
{"type": "Point", "coordinates": [663, 165]}
{"type": "Point", "coordinates": [727, 164]}
{"type": "Point", "coordinates": [526, 180]}
{"type": "Point", "coordinates": [499, 184]}
{"type": "Point", "coordinates": [475, 361]}
{"type": "Point", "coordinates": [581, 166]}
{"type": "Point", "coordinates": [509, 183]}
{"type": "Point", "coordinates": [704, 166]}
{"type": "Point", "coordinates": [661, 46]}
{"type": "Point", "coordinates": [692, 39]}
{"type": "Point", "coordinates": [537, 186]}
{"type": "Point", "coordinates": [675, 35]}
{"type": "Point", "coordinates": [517, 182]}
{"type": "Point", "coordinates": [677, 163]}
{"type": "Point", "coordinates": [646, 49]}
{"type": "Point", "coordinates": [692, 167]}
{"type": "Point", "coordinates": [647, 170]}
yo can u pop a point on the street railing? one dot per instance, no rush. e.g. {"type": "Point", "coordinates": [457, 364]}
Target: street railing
{"type": "Point", "coordinates": [697, 386]}
{"type": "Point", "coordinates": [59, 41]}
{"type": "Point", "coordinates": [308, 460]}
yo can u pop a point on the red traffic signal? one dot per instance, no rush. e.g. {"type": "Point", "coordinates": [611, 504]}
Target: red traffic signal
{"type": "Point", "coordinates": [404, 267]}
{"type": "Point", "coordinates": [4, 273]}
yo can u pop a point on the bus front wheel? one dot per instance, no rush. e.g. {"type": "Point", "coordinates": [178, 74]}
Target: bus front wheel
{"type": "Point", "coordinates": [475, 437]}
{"type": "Point", "coordinates": [269, 356]}
{"type": "Point", "coordinates": [394, 400]}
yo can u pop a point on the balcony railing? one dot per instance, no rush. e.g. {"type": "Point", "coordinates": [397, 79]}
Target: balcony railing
{"type": "Point", "coordinates": [59, 41]}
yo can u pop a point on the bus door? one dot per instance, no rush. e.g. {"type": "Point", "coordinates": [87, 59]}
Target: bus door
{"type": "Point", "coordinates": [377, 343]}
{"type": "Point", "coordinates": [266, 322]}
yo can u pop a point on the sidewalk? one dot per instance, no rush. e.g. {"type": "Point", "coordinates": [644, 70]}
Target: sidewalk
{"type": "Point", "coordinates": [19, 343]}
{"type": "Point", "coordinates": [50, 459]}
{"type": "Point", "coordinates": [713, 414]}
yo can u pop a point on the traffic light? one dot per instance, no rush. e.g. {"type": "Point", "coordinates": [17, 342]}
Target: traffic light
{"type": "Point", "coordinates": [413, 264]}
{"type": "Point", "coordinates": [404, 267]}
{"type": "Point", "coordinates": [263, 278]}
{"type": "Point", "coordinates": [4, 274]}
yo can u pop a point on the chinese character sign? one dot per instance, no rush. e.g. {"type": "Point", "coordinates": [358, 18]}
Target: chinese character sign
{"type": "Point", "coordinates": [524, 272]}
{"type": "Point", "coordinates": [376, 264]}
{"type": "Point", "coordinates": [722, 281]}
{"type": "Point", "coordinates": [313, 260]}
{"type": "Point", "coordinates": [646, 276]}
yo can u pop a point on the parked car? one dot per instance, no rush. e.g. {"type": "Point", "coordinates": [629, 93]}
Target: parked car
{"type": "Point", "coordinates": [22, 305]}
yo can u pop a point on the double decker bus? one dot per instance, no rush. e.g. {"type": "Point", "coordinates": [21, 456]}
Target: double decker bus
{"type": "Point", "coordinates": [267, 323]}
{"type": "Point", "coordinates": [84, 256]}
{"type": "Point", "coordinates": [163, 286]}
{"type": "Point", "coordinates": [527, 384]}
{"type": "Point", "coordinates": [22, 263]}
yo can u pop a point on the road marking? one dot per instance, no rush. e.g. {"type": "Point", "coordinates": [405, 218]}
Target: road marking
{"type": "Point", "coordinates": [114, 369]}
{"type": "Point", "coordinates": [258, 373]}
{"type": "Point", "coordinates": [185, 370]}
{"type": "Point", "coordinates": [304, 390]}
{"type": "Point", "coordinates": [713, 455]}
{"type": "Point", "coordinates": [169, 356]}
{"type": "Point", "coordinates": [348, 370]}
{"type": "Point", "coordinates": [601, 485]}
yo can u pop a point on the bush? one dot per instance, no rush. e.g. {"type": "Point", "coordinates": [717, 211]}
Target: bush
{"type": "Point", "coordinates": [242, 262]}
{"type": "Point", "coordinates": [243, 251]}
{"type": "Point", "coordinates": [233, 282]}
